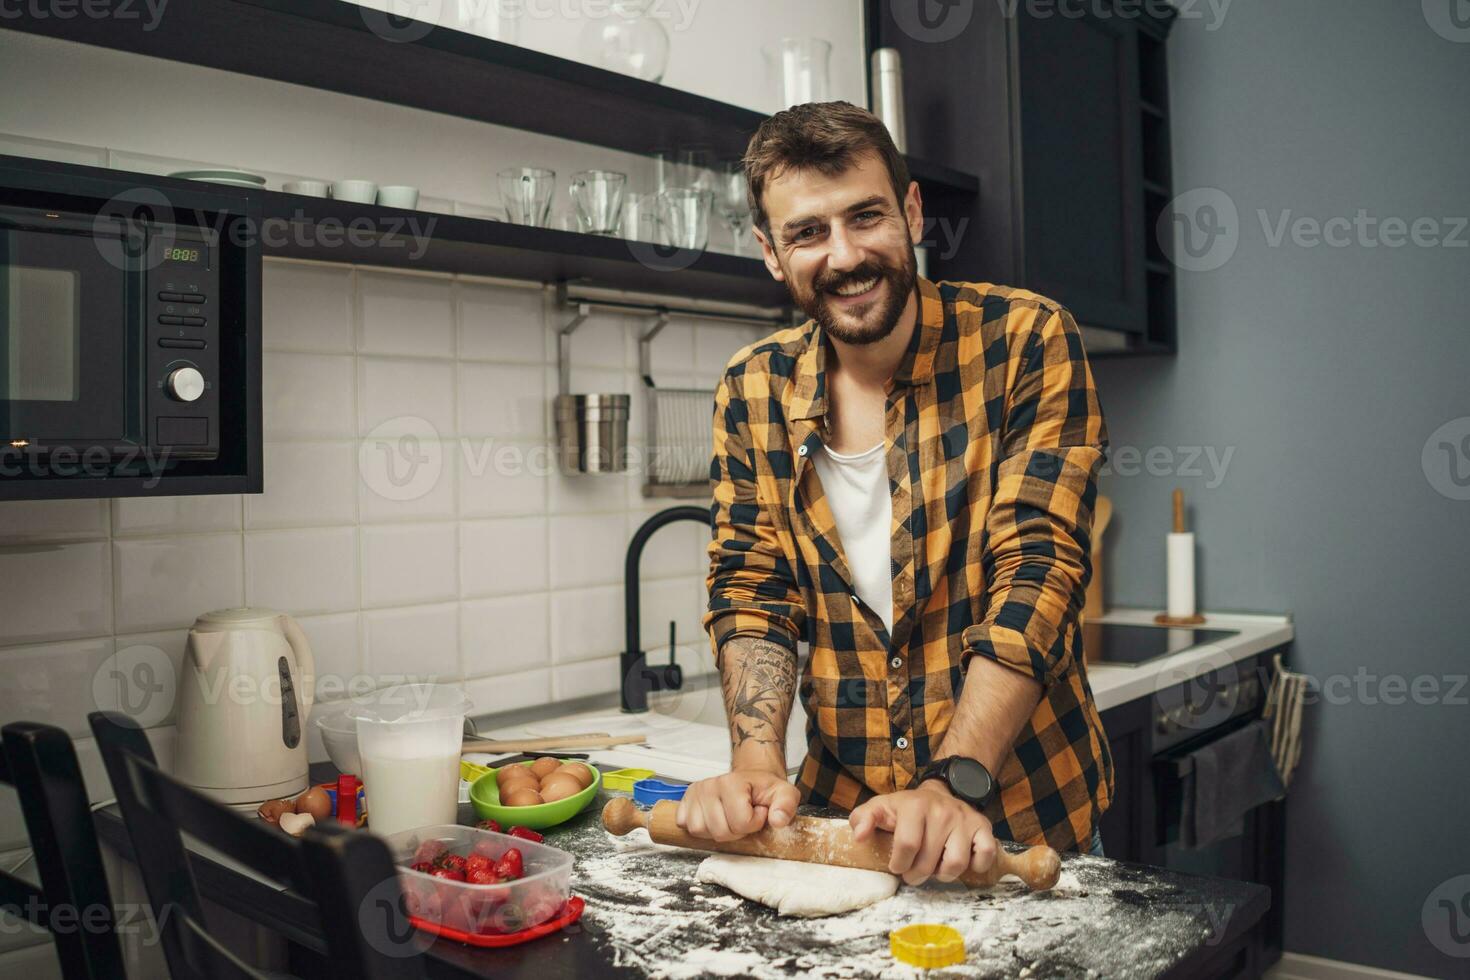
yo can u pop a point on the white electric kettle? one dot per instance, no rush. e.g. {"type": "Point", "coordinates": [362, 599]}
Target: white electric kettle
{"type": "Point", "coordinates": [244, 696]}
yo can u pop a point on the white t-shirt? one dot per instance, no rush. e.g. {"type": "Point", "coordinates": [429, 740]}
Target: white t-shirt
{"type": "Point", "coordinates": [857, 491]}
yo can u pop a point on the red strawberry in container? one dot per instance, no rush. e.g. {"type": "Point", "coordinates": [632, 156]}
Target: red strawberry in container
{"type": "Point", "coordinates": [448, 874]}
{"type": "Point", "coordinates": [511, 865]}
{"type": "Point", "coordinates": [454, 862]}
{"type": "Point", "coordinates": [430, 851]}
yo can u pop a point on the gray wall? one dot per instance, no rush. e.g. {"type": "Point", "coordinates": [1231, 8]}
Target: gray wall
{"type": "Point", "coordinates": [1326, 370]}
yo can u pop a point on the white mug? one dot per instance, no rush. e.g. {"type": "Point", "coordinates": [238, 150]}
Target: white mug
{"type": "Point", "coordinates": [356, 191]}
{"type": "Point", "coordinates": [399, 196]}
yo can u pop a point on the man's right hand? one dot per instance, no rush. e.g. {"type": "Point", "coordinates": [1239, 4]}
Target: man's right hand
{"type": "Point", "coordinates": [738, 803]}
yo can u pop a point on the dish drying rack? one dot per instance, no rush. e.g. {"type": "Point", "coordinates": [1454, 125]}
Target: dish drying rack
{"type": "Point", "coordinates": [678, 434]}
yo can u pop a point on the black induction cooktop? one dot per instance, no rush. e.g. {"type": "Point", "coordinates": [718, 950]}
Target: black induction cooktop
{"type": "Point", "coordinates": [1129, 646]}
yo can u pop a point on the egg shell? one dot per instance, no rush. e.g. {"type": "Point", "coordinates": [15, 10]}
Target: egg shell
{"type": "Point", "coordinates": [271, 810]}
{"type": "Point", "coordinates": [316, 802]}
{"type": "Point", "coordinates": [545, 766]}
{"type": "Point", "coordinates": [559, 787]}
{"type": "Point", "coordinates": [577, 771]}
{"type": "Point", "coordinates": [521, 796]}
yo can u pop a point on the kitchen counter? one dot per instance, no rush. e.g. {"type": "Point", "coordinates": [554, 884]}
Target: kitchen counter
{"type": "Point", "coordinates": [646, 916]}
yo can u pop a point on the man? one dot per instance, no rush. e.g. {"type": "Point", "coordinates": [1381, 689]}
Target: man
{"type": "Point", "coordinates": [907, 482]}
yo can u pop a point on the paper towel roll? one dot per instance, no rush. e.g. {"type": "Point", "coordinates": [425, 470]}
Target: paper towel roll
{"type": "Point", "coordinates": [1181, 575]}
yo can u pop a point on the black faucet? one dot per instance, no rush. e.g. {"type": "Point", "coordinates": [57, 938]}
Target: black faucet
{"type": "Point", "coordinates": [638, 677]}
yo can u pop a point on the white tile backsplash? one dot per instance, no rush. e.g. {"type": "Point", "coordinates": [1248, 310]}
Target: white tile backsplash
{"type": "Point", "coordinates": [58, 683]}
{"type": "Point", "coordinates": [336, 646]}
{"type": "Point", "coordinates": [409, 563]}
{"type": "Point", "coordinates": [501, 636]}
{"type": "Point", "coordinates": [308, 308]}
{"type": "Point", "coordinates": [500, 557]}
{"type": "Point", "coordinates": [166, 515]}
{"type": "Point", "coordinates": [389, 300]}
{"type": "Point", "coordinates": [307, 484]}
{"type": "Point", "coordinates": [52, 520]}
{"type": "Point", "coordinates": [502, 400]}
{"type": "Point", "coordinates": [166, 582]}
{"type": "Point", "coordinates": [308, 396]}
{"type": "Point", "coordinates": [398, 396]}
{"type": "Point", "coordinates": [55, 591]}
{"type": "Point", "coordinates": [417, 641]}
{"type": "Point", "coordinates": [586, 623]}
{"type": "Point", "coordinates": [498, 323]}
{"type": "Point", "coordinates": [302, 572]}
{"type": "Point", "coordinates": [587, 549]}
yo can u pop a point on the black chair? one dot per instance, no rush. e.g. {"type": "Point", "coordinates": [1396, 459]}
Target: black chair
{"type": "Point", "coordinates": [348, 874]}
{"type": "Point", "coordinates": [41, 763]}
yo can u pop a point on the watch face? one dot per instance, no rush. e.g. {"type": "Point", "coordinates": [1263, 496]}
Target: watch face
{"type": "Point", "coordinates": [969, 778]}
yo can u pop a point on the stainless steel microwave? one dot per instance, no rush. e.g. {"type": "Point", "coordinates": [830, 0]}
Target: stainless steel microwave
{"type": "Point", "coordinates": [129, 334]}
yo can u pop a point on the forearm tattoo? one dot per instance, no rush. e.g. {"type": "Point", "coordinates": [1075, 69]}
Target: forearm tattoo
{"type": "Point", "coordinates": [759, 681]}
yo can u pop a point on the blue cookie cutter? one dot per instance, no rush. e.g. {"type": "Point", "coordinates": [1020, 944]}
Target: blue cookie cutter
{"type": "Point", "coordinates": [650, 791]}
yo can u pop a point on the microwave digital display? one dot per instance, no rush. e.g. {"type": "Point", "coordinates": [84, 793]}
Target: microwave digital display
{"type": "Point", "coordinates": [188, 256]}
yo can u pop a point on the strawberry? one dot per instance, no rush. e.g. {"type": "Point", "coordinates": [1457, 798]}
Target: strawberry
{"type": "Point", "coordinates": [478, 861]}
{"type": "Point", "coordinates": [510, 866]}
{"type": "Point", "coordinates": [451, 874]}
{"type": "Point", "coordinates": [430, 851]}
{"type": "Point", "coordinates": [422, 867]}
{"type": "Point", "coordinates": [490, 825]}
{"type": "Point", "coordinates": [525, 833]}
{"type": "Point", "coordinates": [455, 862]}
{"type": "Point", "coordinates": [482, 876]}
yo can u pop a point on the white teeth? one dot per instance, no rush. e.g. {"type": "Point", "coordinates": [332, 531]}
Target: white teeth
{"type": "Point", "coordinates": [857, 288]}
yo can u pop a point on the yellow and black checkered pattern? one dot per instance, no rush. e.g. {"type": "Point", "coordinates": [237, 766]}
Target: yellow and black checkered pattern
{"type": "Point", "coordinates": [994, 437]}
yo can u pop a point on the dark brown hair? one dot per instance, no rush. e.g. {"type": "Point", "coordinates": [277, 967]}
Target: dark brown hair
{"type": "Point", "coordinates": [824, 136]}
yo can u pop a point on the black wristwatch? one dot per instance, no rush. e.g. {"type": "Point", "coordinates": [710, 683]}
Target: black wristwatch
{"type": "Point", "coordinates": [968, 779]}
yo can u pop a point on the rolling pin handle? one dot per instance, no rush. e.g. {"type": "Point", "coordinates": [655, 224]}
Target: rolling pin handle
{"type": "Point", "coordinates": [621, 817]}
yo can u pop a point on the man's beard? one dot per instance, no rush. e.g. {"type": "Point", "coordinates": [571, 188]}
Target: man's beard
{"type": "Point", "coordinates": [878, 323]}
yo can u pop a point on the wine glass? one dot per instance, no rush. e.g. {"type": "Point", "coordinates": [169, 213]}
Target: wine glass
{"type": "Point", "coordinates": [734, 204]}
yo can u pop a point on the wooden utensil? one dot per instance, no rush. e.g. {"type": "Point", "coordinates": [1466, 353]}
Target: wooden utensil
{"type": "Point", "coordinates": [588, 740]}
{"type": "Point", "coordinates": [1102, 515]}
{"type": "Point", "coordinates": [818, 841]}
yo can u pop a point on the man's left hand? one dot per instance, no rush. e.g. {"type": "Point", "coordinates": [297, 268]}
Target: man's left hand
{"type": "Point", "coordinates": [935, 834]}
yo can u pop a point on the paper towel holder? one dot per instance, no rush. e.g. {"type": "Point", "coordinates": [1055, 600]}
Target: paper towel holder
{"type": "Point", "coordinates": [1164, 619]}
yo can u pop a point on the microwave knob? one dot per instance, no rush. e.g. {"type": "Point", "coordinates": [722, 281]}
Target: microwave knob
{"type": "Point", "coordinates": [185, 384]}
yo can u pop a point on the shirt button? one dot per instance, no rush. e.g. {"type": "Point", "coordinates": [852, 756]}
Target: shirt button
{"type": "Point", "coordinates": [801, 451]}
{"type": "Point", "coordinates": [896, 663]}
{"type": "Point", "coordinates": [902, 742]}
{"type": "Point", "coordinates": [856, 601]}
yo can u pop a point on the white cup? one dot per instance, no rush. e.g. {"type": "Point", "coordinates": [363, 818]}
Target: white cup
{"type": "Point", "coordinates": [308, 188]}
{"type": "Point", "coordinates": [399, 196]}
{"type": "Point", "coordinates": [356, 191]}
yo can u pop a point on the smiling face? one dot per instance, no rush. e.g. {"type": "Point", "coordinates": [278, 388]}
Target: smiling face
{"type": "Point", "coordinates": [844, 246]}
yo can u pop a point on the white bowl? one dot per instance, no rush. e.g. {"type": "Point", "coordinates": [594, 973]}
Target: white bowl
{"type": "Point", "coordinates": [339, 736]}
{"type": "Point", "coordinates": [356, 191]}
{"type": "Point", "coordinates": [307, 188]}
{"type": "Point", "coordinates": [399, 196]}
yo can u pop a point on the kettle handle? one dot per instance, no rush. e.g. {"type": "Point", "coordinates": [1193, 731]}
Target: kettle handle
{"type": "Point", "coordinates": [305, 665]}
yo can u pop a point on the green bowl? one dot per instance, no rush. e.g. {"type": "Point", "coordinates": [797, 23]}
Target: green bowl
{"type": "Point", "coordinates": [485, 795]}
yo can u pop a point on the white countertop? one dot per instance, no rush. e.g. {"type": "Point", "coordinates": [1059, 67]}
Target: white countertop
{"type": "Point", "coordinates": [1113, 685]}
{"type": "Point", "coordinates": [687, 737]}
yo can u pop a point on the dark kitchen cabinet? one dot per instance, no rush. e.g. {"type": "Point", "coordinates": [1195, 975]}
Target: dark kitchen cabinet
{"type": "Point", "coordinates": [1062, 111]}
{"type": "Point", "coordinates": [1128, 825]}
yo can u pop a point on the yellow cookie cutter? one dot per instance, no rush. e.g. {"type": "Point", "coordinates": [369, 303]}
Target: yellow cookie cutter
{"type": "Point", "coordinates": [927, 946]}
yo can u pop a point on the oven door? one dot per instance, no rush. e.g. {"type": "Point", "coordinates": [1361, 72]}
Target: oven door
{"type": "Point", "coordinates": [70, 319]}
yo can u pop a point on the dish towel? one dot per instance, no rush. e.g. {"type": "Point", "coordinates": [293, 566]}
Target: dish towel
{"type": "Point", "coordinates": [1232, 776]}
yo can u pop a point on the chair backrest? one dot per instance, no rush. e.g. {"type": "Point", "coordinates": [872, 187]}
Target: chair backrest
{"type": "Point", "coordinates": [73, 900]}
{"type": "Point", "coordinates": [339, 869]}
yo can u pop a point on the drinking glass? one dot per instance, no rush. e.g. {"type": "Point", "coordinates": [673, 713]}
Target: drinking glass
{"type": "Point", "coordinates": [734, 204]}
{"type": "Point", "coordinates": [640, 219]}
{"type": "Point", "coordinates": [598, 197]}
{"type": "Point", "coordinates": [797, 68]}
{"type": "Point", "coordinates": [684, 213]}
{"type": "Point", "coordinates": [527, 193]}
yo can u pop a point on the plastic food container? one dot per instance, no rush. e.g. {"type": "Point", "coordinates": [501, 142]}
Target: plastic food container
{"type": "Point", "coordinates": [409, 737]}
{"type": "Point", "coordinates": [483, 909]}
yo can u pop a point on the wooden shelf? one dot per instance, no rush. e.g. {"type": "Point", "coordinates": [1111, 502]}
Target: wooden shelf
{"type": "Point", "coordinates": [330, 45]}
{"type": "Point", "coordinates": [313, 228]}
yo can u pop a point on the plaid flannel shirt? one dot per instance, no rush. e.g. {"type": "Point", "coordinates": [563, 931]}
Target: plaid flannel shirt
{"type": "Point", "coordinates": [994, 438]}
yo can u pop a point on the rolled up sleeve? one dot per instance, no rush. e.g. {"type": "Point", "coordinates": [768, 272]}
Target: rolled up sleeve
{"type": "Point", "coordinates": [1038, 531]}
{"type": "Point", "coordinates": [752, 585]}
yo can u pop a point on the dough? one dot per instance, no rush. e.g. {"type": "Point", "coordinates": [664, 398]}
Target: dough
{"type": "Point", "coordinates": [798, 887]}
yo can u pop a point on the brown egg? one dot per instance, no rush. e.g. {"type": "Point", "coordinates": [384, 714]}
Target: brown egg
{"type": "Point", "coordinates": [521, 796]}
{"type": "Point", "coordinates": [545, 766]}
{"type": "Point", "coordinates": [316, 802]}
{"type": "Point", "coordinates": [516, 776]}
{"type": "Point", "coordinates": [558, 786]}
{"type": "Point", "coordinates": [577, 771]}
{"type": "Point", "coordinates": [271, 810]}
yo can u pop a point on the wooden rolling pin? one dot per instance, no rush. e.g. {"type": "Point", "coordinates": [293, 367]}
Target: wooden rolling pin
{"type": "Point", "coordinates": [819, 841]}
{"type": "Point", "coordinates": [550, 743]}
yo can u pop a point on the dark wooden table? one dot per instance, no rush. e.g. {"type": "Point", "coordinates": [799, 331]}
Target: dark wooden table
{"type": "Point", "coordinates": [1142, 921]}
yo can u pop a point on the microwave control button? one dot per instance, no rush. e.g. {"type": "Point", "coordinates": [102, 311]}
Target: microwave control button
{"type": "Point", "coordinates": [171, 297]}
{"type": "Point", "coordinates": [185, 384]}
{"type": "Point", "coordinates": [181, 343]}
{"type": "Point", "coordinates": [171, 321]}
{"type": "Point", "coordinates": [193, 321]}
{"type": "Point", "coordinates": [191, 298]}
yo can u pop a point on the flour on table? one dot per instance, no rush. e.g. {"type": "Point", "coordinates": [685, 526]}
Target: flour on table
{"type": "Point", "coordinates": [797, 887]}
